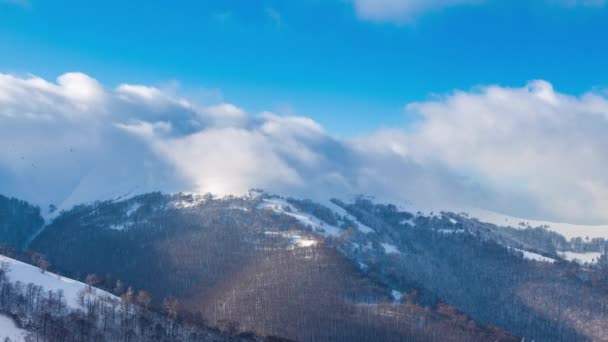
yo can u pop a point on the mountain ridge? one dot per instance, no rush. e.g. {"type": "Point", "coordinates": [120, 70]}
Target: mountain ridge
{"type": "Point", "coordinates": [222, 247]}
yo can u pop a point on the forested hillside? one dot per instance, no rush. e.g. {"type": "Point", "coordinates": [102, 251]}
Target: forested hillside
{"type": "Point", "coordinates": [303, 270]}
{"type": "Point", "coordinates": [37, 305]}
{"type": "Point", "coordinates": [18, 221]}
{"type": "Point", "coordinates": [336, 271]}
{"type": "Point", "coordinates": [244, 265]}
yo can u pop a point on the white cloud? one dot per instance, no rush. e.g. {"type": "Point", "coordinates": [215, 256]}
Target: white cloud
{"type": "Point", "coordinates": [401, 11]}
{"type": "Point", "coordinates": [224, 114]}
{"type": "Point", "coordinates": [228, 160]}
{"type": "Point", "coordinates": [74, 93]}
{"type": "Point", "coordinates": [528, 151]}
{"type": "Point", "coordinates": [533, 140]}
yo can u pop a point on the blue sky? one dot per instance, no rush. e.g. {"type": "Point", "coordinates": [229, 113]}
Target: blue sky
{"type": "Point", "coordinates": [321, 59]}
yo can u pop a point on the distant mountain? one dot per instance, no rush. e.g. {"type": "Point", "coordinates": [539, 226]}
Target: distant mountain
{"type": "Point", "coordinates": [338, 270]}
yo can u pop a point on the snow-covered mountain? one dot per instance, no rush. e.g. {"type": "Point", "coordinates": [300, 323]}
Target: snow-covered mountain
{"type": "Point", "coordinates": [250, 262]}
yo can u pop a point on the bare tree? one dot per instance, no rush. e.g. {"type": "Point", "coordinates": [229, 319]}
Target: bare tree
{"type": "Point", "coordinates": [82, 295]}
{"type": "Point", "coordinates": [119, 288]}
{"type": "Point", "coordinates": [91, 281]}
{"type": "Point", "coordinates": [171, 306]}
{"type": "Point", "coordinates": [43, 264]}
{"type": "Point", "coordinates": [143, 299]}
{"type": "Point", "coordinates": [5, 267]}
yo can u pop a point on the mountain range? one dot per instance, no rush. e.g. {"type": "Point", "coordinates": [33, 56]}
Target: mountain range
{"type": "Point", "coordinates": [336, 270]}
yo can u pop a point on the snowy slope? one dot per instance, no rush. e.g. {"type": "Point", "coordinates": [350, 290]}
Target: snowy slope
{"type": "Point", "coordinates": [568, 230]}
{"type": "Point", "coordinates": [26, 273]}
{"type": "Point", "coordinates": [589, 257]}
{"type": "Point", "coordinates": [342, 212]}
{"type": "Point", "coordinates": [10, 330]}
{"type": "Point", "coordinates": [390, 248]}
{"type": "Point", "coordinates": [281, 206]}
{"type": "Point", "coordinates": [534, 256]}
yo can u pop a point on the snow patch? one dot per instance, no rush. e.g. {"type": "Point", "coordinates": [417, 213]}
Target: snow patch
{"type": "Point", "coordinates": [534, 256]}
{"type": "Point", "coordinates": [119, 226]}
{"type": "Point", "coordinates": [187, 200]}
{"type": "Point", "coordinates": [10, 330]}
{"type": "Point", "coordinates": [396, 296]}
{"type": "Point", "coordinates": [363, 228]}
{"type": "Point", "coordinates": [450, 231]}
{"type": "Point", "coordinates": [283, 207]}
{"type": "Point", "coordinates": [408, 221]}
{"type": "Point", "coordinates": [390, 249]}
{"type": "Point", "coordinates": [238, 207]}
{"type": "Point", "coordinates": [581, 258]}
{"type": "Point", "coordinates": [342, 212]}
{"type": "Point", "coordinates": [295, 239]}
{"type": "Point", "coordinates": [305, 242]}
{"type": "Point", "coordinates": [134, 207]}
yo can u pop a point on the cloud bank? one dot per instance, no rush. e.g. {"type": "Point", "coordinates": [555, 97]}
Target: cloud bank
{"type": "Point", "coordinates": [528, 151]}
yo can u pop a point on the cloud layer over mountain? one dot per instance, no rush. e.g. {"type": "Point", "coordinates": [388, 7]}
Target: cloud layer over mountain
{"type": "Point", "coordinates": [527, 151]}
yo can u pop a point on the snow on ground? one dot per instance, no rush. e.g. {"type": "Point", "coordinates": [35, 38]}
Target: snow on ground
{"type": "Point", "coordinates": [590, 257]}
{"type": "Point", "coordinates": [189, 200]}
{"type": "Point", "coordinates": [568, 230]}
{"type": "Point", "coordinates": [134, 207]}
{"type": "Point", "coordinates": [25, 273]}
{"type": "Point", "coordinates": [296, 239]}
{"type": "Point", "coordinates": [10, 330]}
{"type": "Point", "coordinates": [450, 231]}
{"type": "Point", "coordinates": [396, 295]}
{"type": "Point", "coordinates": [408, 221]}
{"type": "Point", "coordinates": [300, 242]}
{"type": "Point", "coordinates": [390, 249]}
{"type": "Point", "coordinates": [283, 207]}
{"type": "Point", "coordinates": [238, 207]}
{"type": "Point", "coordinates": [342, 212]}
{"type": "Point", "coordinates": [534, 256]}
{"type": "Point", "coordinates": [122, 226]}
